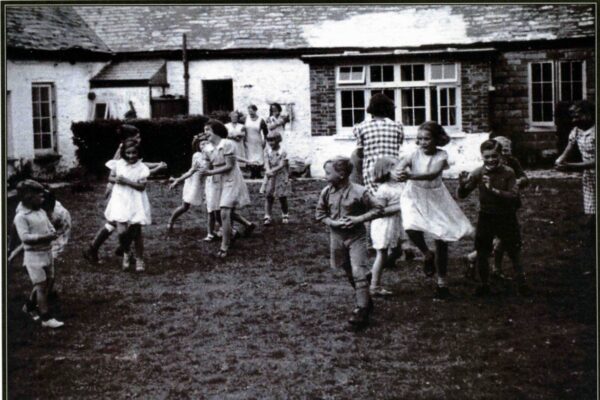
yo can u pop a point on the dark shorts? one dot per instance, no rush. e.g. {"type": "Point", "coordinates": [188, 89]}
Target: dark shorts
{"type": "Point", "coordinates": [504, 226]}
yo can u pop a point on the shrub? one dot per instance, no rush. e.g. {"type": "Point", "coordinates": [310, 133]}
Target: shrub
{"type": "Point", "coordinates": [163, 139]}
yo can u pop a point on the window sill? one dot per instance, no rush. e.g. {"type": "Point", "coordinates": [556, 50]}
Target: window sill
{"type": "Point", "coordinates": [47, 158]}
{"type": "Point", "coordinates": [541, 128]}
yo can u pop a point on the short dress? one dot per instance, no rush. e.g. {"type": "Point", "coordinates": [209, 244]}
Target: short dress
{"type": "Point", "coordinates": [233, 189]}
{"type": "Point", "coordinates": [126, 204]}
{"type": "Point", "coordinates": [278, 185]}
{"type": "Point", "coordinates": [61, 220]}
{"type": "Point", "coordinates": [254, 141]}
{"type": "Point", "coordinates": [386, 232]}
{"type": "Point", "coordinates": [427, 206]}
{"type": "Point", "coordinates": [586, 143]}
{"type": "Point", "coordinates": [192, 187]}
{"type": "Point", "coordinates": [238, 136]}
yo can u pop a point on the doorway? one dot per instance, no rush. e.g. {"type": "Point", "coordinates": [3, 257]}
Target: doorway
{"type": "Point", "coordinates": [217, 95]}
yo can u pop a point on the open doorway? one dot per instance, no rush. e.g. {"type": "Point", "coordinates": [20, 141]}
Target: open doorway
{"type": "Point", "coordinates": [217, 95]}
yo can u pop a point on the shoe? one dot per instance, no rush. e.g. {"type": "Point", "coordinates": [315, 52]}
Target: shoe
{"type": "Point", "coordinates": [249, 229]}
{"type": "Point", "coordinates": [52, 323]}
{"type": "Point", "coordinates": [429, 264]}
{"type": "Point", "coordinates": [126, 262]}
{"type": "Point", "coordinates": [380, 292]}
{"type": "Point", "coordinates": [285, 219]}
{"type": "Point", "coordinates": [139, 266]}
{"type": "Point", "coordinates": [222, 254]}
{"type": "Point", "coordinates": [267, 221]}
{"type": "Point", "coordinates": [32, 312]}
{"type": "Point", "coordinates": [482, 291]}
{"type": "Point", "coordinates": [91, 256]}
{"type": "Point", "coordinates": [442, 293]}
{"type": "Point", "coordinates": [210, 238]}
{"type": "Point", "coordinates": [360, 317]}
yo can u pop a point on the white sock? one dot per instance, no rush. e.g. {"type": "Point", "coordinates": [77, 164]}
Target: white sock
{"type": "Point", "coordinates": [441, 281]}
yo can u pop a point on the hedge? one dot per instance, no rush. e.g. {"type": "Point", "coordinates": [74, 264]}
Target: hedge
{"type": "Point", "coordinates": [164, 139]}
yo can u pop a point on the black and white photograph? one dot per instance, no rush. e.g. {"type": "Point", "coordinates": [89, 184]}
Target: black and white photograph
{"type": "Point", "coordinates": [299, 200]}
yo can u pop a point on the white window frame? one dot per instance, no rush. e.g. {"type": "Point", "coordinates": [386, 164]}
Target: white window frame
{"type": "Point", "coordinates": [430, 78]}
{"type": "Point", "coordinates": [361, 81]}
{"type": "Point", "coordinates": [53, 149]}
{"type": "Point", "coordinates": [583, 77]}
{"type": "Point", "coordinates": [413, 83]}
{"type": "Point", "coordinates": [530, 93]}
{"type": "Point", "coordinates": [338, 106]}
{"type": "Point", "coordinates": [382, 84]}
{"type": "Point", "coordinates": [456, 105]}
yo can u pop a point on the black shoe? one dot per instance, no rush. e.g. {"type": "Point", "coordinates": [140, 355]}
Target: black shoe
{"type": "Point", "coordinates": [442, 293]}
{"type": "Point", "coordinates": [482, 291]}
{"type": "Point", "coordinates": [91, 256]}
{"type": "Point", "coordinates": [359, 318]}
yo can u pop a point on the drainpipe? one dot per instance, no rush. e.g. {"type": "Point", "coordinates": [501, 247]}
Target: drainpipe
{"type": "Point", "coordinates": [186, 75]}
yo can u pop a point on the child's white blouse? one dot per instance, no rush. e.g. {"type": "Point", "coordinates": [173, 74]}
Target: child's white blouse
{"type": "Point", "coordinates": [126, 204]}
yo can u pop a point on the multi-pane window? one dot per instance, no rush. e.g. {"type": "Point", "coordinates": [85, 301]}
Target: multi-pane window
{"type": "Point", "coordinates": [542, 92]}
{"type": "Point", "coordinates": [44, 117]}
{"type": "Point", "coordinates": [571, 84]}
{"type": "Point", "coordinates": [420, 92]}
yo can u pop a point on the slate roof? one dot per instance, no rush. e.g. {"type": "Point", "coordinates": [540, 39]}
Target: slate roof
{"type": "Point", "coordinates": [49, 28]}
{"type": "Point", "coordinates": [219, 27]}
{"type": "Point", "coordinates": [150, 71]}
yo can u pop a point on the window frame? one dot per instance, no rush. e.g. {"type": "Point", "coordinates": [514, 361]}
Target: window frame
{"type": "Point", "coordinates": [53, 149]}
{"type": "Point", "coordinates": [362, 81]}
{"type": "Point", "coordinates": [442, 80]}
{"type": "Point", "coordinates": [583, 78]}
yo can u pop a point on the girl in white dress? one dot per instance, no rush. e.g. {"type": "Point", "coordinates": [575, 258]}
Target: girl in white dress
{"type": "Point", "coordinates": [128, 205]}
{"type": "Point", "coordinates": [428, 207]}
{"type": "Point", "coordinates": [387, 232]}
{"type": "Point", "coordinates": [256, 132]}
{"type": "Point", "coordinates": [276, 122]}
{"type": "Point", "coordinates": [237, 132]}
{"type": "Point", "coordinates": [192, 186]}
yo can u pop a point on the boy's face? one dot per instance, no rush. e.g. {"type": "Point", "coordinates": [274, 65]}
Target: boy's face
{"type": "Point", "coordinates": [580, 119]}
{"type": "Point", "coordinates": [331, 175]}
{"type": "Point", "coordinates": [34, 199]}
{"type": "Point", "coordinates": [506, 151]}
{"type": "Point", "coordinates": [491, 159]}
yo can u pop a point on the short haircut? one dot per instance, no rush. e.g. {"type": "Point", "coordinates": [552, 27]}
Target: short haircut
{"type": "Point", "coordinates": [252, 106]}
{"type": "Point", "coordinates": [128, 144]}
{"type": "Point", "coordinates": [28, 186]}
{"type": "Point", "coordinates": [341, 165]}
{"type": "Point", "coordinates": [277, 106]}
{"type": "Point", "coordinates": [126, 131]}
{"type": "Point", "coordinates": [438, 133]}
{"type": "Point", "coordinates": [196, 143]}
{"type": "Point", "coordinates": [274, 135]}
{"type": "Point", "coordinates": [380, 105]}
{"type": "Point", "coordinates": [218, 128]}
{"type": "Point", "coordinates": [586, 107]}
{"type": "Point", "coordinates": [490, 144]}
{"type": "Point", "coordinates": [383, 168]}
{"type": "Point", "coordinates": [504, 141]}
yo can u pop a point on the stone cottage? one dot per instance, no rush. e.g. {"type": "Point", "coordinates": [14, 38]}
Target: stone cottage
{"type": "Point", "coordinates": [475, 69]}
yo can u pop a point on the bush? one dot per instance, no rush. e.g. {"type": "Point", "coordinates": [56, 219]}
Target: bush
{"type": "Point", "coordinates": [164, 139]}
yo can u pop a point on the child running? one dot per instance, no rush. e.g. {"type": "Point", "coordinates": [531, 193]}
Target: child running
{"type": "Point", "coordinates": [192, 187]}
{"type": "Point", "coordinates": [37, 234]}
{"type": "Point", "coordinates": [344, 207]}
{"type": "Point", "coordinates": [498, 202]}
{"type": "Point", "coordinates": [387, 232]}
{"type": "Point", "coordinates": [128, 205]}
{"type": "Point", "coordinates": [428, 207]}
{"type": "Point", "coordinates": [276, 183]}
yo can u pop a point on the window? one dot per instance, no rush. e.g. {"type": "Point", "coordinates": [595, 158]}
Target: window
{"type": "Point", "coordinates": [44, 117]}
{"type": "Point", "coordinates": [541, 88]}
{"type": "Point", "coordinates": [420, 91]}
{"type": "Point", "coordinates": [571, 83]}
{"type": "Point", "coordinates": [100, 111]}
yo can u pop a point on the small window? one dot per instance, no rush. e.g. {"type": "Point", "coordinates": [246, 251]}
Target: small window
{"type": "Point", "coordinates": [412, 72]}
{"type": "Point", "coordinates": [382, 73]}
{"type": "Point", "coordinates": [352, 107]}
{"type": "Point", "coordinates": [542, 92]}
{"type": "Point", "coordinates": [571, 81]}
{"type": "Point", "coordinates": [44, 117]}
{"type": "Point", "coordinates": [443, 72]}
{"type": "Point", "coordinates": [413, 106]}
{"type": "Point", "coordinates": [447, 101]}
{"type": "Point", "coordinates": [351, 75]}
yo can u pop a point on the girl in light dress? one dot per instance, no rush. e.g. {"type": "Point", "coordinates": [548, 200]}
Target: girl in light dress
{"type": "Point", "coordinates": [237, 132]}
{"type": "Point", "coordinates": [256, 132]}
{"type": "Point", "coordinates": [427, 206]}
{"type": "Point", "coordinates": [276, 183]}
{"type": "Point", "coordinates": [233, 190]}
{"type": "Point", "coordinates": [192, 187]}
{"type": "Point", "coordinates": [387, 232]}
{"type": "Point", "coordinates": [276, 122]}
{"type": "Point", "coordinates": [128, 205]}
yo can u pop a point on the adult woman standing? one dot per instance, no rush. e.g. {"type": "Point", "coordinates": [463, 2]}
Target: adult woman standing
{"type": "Point", "coordinates": [237, 132]}
{"type": "Point", "coordinates": [256, 132]}
{"type": "Point", "coordinates": [377, 137]}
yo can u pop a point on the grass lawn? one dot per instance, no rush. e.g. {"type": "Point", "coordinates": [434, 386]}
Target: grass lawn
{"type": "Point", "coordinates": [270, 321]}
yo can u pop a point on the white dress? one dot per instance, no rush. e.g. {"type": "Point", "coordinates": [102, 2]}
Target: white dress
{"type": "Point", "coordinates": [126, 204]}
{"type": "Point", "coordinates": [427, 206]}
{"type": "Point", "coordinates": [387, 231]}
{"type": "Point", "coordinates": [61, 220]}
{"type": "Point", "coordinates": [192, 187]}
{"type": "Point", "coordinates": [237, 136]}
{"type": "Point", "coordinates": [254, 141]}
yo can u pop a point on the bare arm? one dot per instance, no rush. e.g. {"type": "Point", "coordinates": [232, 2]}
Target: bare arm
{"type": "Point", "coordinates": [436, 170]}
{"type": "Point", "coordinates": [229, 163]}
{"type": "Point", "coordinates": [137, 185]}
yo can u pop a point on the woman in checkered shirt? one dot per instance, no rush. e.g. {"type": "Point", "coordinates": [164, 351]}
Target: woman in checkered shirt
{"type": "Point", "coordinates": [378, 137]}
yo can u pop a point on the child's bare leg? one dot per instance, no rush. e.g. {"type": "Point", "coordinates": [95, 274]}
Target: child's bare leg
{"type": "Point", "coordinates": [393, 254]}
{"type": "Point", "coordinates": [177, 213]}
{"type": "Point", "coordinates": [284, 205]}
{"type": "Point", "coordinates": [101, 236]}
{"type": "Point", "coordinates": [237, 217]}
{"type": "Point", "coordinates": [226, 217]}
{"type": "Point", "coordinates": [380, 260]}
{"type": "Point", "coordinates": [41, 298]}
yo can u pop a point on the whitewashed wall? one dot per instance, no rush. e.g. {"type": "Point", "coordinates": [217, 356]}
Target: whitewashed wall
{"type": "Point", "coordinates": [71, 82]}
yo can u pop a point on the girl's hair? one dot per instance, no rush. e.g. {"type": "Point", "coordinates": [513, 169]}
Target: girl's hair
{"type": "Point", "coordinates": [490, 144]}
{"type": "Point", "coordinates": [340, 164]}
{"type": "Point", "coordinates": [218, 128]}
{"type": "Point", "coordinates": [49, 201]}
{"type": "Point", "coordinates": [196, 143]}
{"type": "Point", "coordinates": [27, 187]}
{"type": "Point", "coordinates": [128, 144]}
{"type": "Point", "coordinates": [504, 141]}
{"type": "Point", "coordinates": [127, 131]}
{"type": "Point", "coordinates": [383, 168]}
{"type": "Point", "coordinates": [380, 105]}
{"type": "Point", "coordinates": [276, 136]}
{"type": "Point", "coordinates": [438, 134]}
{"type": "Point", "coordinates": [586, 107]}
{"type": "Point", "coordinates": [252, 106]}
{"type": "Point", "coordinates": [277, 106]}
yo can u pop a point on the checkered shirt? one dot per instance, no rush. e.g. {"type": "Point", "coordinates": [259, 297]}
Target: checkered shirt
{"type": "Point", "coordinates": [586, 142]}
{"type": "Point", "coordinates": [378, 138]}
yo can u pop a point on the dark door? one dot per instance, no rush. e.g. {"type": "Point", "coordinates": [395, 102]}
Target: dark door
{"type": "Point", "coordinates": [217, 95]}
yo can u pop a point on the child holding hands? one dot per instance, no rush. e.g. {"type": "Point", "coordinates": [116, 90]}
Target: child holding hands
{"type": "Point", "coordinates": [344, 207]}
{"type": "Point", "coordinates": [276, 183]}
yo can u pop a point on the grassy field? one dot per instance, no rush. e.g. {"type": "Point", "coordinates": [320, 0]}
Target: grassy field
{"type": "Point", "coordinates": [270, 321]}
